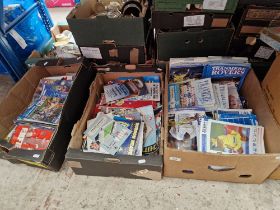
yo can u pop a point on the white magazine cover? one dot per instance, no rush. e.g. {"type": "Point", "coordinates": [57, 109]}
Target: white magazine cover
{"type": "Point", "coordinates": [231, 138]}
{"type": "Point", "coordinates": [204, 93]}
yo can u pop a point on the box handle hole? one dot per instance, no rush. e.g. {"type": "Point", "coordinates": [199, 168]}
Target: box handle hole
{"type": "Point", "coordinates": [245, 176]}
{"type": "Point", "coordinates": [187, 42]}
{"type": "Point", "coordinates": [171, 14]}
{"type": "Point", "coordinates": [220, 168]}
{"type": "Point", "coordinates": [112, 160]}
{"type": "Point", "coordinates": [201, 40]}
{"type": "Point", "coordinates": [188, 171]}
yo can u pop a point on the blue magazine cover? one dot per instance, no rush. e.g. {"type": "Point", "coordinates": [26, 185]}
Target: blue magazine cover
{"type": "Point", "coordinates": [129, 147]}
{"type": "Point", "coordinates": [227, 71]}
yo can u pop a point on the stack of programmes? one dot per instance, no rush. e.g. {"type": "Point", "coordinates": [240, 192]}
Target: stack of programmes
{"type": "Point", "coordinates": [127, 118]}
{"type": "Point", "coordinates": [206, 112]}
{"type": "Point", "coordinates": [35, 128]}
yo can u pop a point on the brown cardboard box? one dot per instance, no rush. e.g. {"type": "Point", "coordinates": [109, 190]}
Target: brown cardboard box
{"type": "Point", "coordinates": [255, 18]}
{"type": "Point", "coordinates": [264, 100]}
{"type": "Point", "coordinates": [20, 97]}
{"type": "Point", "coordinates": [93, 164]}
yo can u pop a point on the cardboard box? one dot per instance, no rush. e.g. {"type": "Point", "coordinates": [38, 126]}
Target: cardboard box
{"type": "Point", "coordinates": [193, 42]}
{"type": "Point", "coordinates": [180, 5]}
{"type": "Point", "coordinates": [58, 29]}
{"type": "Point", "coordinates": [20, 97]}
{"type": "Point", "coordinates": [236, 168]}
{"type": "Point", "coordinates": [94, 164]}
{"type": "Point", "coordinates": [180, 20]}
{"type": "Point", "coordinates": [255, 18]}
{"type": "Point", "coordinates": [109, 39]}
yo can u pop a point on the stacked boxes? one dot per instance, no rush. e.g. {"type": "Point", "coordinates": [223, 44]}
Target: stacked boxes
{"type": "Point", "coordinates": [115, 81]}
{"type": "Point", "coordinates": [250, 19]}
{"type": "Point", "coordinates": [192, 28]}
{"type": "Point", "coordinates": [105, 39]}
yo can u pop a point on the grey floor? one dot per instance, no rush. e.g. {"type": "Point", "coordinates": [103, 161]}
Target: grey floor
{"type": "Point", "coordinates": [24, 187]}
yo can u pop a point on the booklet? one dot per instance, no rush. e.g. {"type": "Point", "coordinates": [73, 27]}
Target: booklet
{"type": "Point", "coordinates": [184, 126]}
{"type": "Point", "coordinates": [112, 136]}
{"type": "Point", "coordinates": [230, 138]}
{"type": "Point", "coordinates": [150, 135]}
{"type": "Point", "coordinates": [129, 147]}
{"type": "Point", "coordinates": [31, 137]}
{"type": "Point", "coordinates": [225, 71]}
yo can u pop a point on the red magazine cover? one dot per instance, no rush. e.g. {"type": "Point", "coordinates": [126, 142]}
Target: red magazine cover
{"type": "Point", "coordinates": [124, 104]}
{"type": "Point", "coordinates": [31, 137]}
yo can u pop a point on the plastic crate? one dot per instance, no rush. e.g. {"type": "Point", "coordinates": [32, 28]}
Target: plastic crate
{"type": "Point", "coordinates": [25, 27]}
{"type": "Point", "coordinates": [3, 69]}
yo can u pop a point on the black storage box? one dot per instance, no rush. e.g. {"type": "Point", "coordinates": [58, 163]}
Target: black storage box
{"type": "Point", "coordinates": [94, 164]}
{"type": "Point", "coordinates": [106, 39]}
{"type": "Point", "coordinates": [193, 42]}
{"type": "Point", "coordinates": [181, 20]}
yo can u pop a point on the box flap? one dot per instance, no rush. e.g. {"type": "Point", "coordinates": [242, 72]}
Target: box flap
{"type": "Point", "coordinates": [18, 98]}
{"type": "Point", "coordinates": [271, 87]}
{"type": "Point", "coordinates": [252, 88]}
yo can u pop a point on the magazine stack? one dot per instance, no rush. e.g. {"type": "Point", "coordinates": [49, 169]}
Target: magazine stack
{"type": "Point", "coordinates": [205, 110]}
{"type": "Point", "coordinates": [127, 118]}
{"type": "Point", "coordinates": [37, 125]}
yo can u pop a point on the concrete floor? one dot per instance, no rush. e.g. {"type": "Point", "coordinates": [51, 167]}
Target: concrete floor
{"type": "Point", "coordinates": [24, 187]}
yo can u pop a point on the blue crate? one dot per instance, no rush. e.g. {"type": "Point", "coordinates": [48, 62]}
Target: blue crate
{"type": "Point", "coordinates": [25, 27]}
{"type": "Point", "coordinates": [3, 69]}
